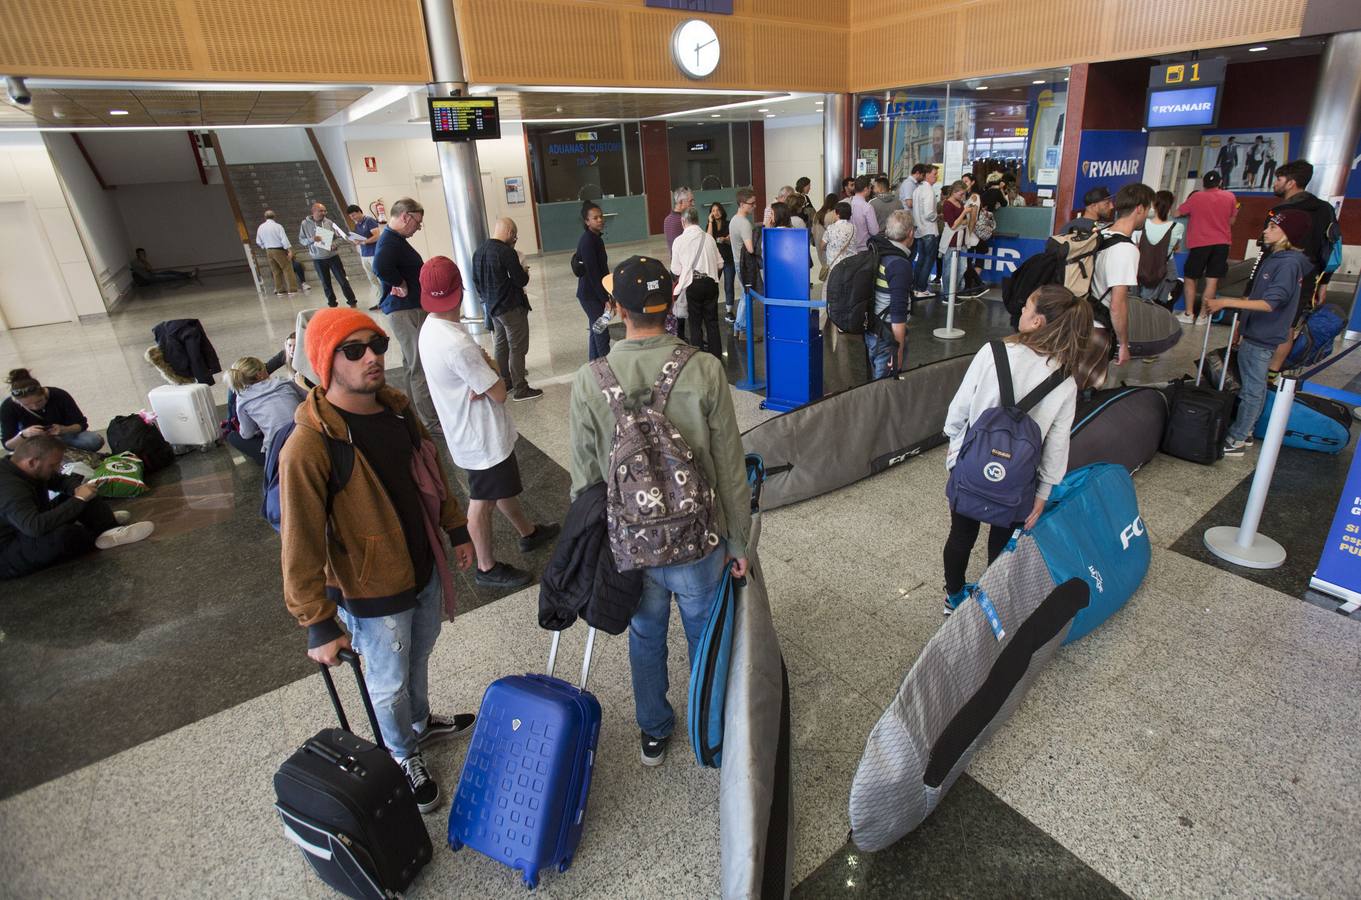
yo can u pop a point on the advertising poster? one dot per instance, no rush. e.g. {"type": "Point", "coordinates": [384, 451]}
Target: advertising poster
{"type": "Point", "coordinates": [1111, 159]}
{"type": "Point", "coordinates": [1246, 159]}
{"type": "Point", "coordinates": [916, 133]}
{"type": "Point", "coordinates": [1045, 119]}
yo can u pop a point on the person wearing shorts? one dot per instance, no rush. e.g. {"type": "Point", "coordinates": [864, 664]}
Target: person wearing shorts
{"type": "Point", "coordinates": [470, 399]}
{"type": "Point", "coordinates": [1208, 236]}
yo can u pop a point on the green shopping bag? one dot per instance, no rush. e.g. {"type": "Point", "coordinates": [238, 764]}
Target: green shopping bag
{"type": "Point", "coordinates": [119, 475]}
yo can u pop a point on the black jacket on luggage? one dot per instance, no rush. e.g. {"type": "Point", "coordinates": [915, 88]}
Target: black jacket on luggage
{"type": "Point", "coordinates": [187, 349]}
{"type": "Point", "coordinates": [582, 579]}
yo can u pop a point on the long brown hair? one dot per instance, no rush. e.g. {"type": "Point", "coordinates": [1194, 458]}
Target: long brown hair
{"type": "Point", "coordinates": [1067, 331]}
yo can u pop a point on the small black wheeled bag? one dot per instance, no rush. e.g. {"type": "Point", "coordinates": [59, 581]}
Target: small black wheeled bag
{"type": "Point", "coordinates": [348, 806]}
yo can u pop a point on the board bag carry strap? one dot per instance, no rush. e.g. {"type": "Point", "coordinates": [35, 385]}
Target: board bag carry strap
{"type": "Point", "coordinates": [352, 658]}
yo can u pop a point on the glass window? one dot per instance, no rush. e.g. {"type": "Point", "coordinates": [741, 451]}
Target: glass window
{"type": "Point", "coordinates": [701, 155]}
{"type": "Point", "coordinates": [582, 163]}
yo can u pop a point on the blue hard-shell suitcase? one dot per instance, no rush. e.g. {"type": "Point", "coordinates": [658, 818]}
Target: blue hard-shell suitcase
{"type": "Point", "coordinates": [521, 799]}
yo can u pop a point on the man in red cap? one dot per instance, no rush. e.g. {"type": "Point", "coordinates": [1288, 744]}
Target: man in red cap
{"type": "Point", "coordinates": [470, 398]}
{"type": "Point", "coordinates": [1271, 302]}
{"type": "Point", "coordinates": [364, 500]}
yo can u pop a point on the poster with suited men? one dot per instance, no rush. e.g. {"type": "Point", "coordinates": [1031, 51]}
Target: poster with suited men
{"type": "Point", "coordinates": [1246, 159]}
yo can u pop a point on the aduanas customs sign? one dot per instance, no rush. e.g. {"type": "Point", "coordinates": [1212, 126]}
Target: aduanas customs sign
{"type": "Point", "coordinates": [1111, 159]}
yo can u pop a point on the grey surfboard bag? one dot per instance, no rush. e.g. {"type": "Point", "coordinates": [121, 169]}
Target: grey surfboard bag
{"type": "Point", "coordinates": [755, 806]}
{"type": "Point", "coordinates": [1153, 329]}
{"type": "Point", "coordinates": [963, 687]}
{"type": "Point", "coordinates": [854, 433]}
{"type": "Point", "coordinates": [1121, 425]}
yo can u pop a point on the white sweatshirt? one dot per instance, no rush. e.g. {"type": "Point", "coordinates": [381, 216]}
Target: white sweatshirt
{"type": "Point", "coordinates": [924, 209]}
{"type": "Point", "coordinates": [1054, 414]}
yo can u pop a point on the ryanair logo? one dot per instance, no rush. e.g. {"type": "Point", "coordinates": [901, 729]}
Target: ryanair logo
{"type": "Point", "coordinates": [1110, 168]}
{"type": "Point", "coordinates": [1165, 108]}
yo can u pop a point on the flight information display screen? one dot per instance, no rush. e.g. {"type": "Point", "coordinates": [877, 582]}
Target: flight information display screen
{"type": "Point", "coordinates": [464, 118]}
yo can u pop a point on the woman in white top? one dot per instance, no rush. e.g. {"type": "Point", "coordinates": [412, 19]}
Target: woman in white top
{"type": "Point", "coordinates": [837, 240]}
{"type": "Point", "coordinates": [1055, 326]}
{"type": "Point", "coordinates": [821, 219]}
{"type": "Point", "coordinates": [1156, 227]}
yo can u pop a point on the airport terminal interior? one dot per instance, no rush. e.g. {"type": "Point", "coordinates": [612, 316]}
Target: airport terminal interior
{"type": "Point", "coordinates": [1197, 740]}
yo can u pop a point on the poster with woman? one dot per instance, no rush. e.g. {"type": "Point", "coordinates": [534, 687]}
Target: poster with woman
{"type": "Point", "coordinates": [1246, 160]}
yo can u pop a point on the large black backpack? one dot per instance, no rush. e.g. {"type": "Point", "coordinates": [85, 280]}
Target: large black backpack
{"type": "Point", "coordinates": [850, 291]}
{"type": "Point", "coordinates": [1043, 268]}
{"type": "Point", "coordinates": [129, 434]}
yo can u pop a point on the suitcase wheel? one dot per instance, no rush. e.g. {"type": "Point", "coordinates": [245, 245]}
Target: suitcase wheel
{"type": "Point", "coordinates": [455, 844]}
{"type": "Point", "coordinates": [531, 878]}
{"type": "Point", "coordinates": [565, 864]}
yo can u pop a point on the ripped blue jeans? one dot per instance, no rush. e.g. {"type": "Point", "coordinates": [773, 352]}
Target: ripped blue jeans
{"type": "Point", "coordinates": [396, 651]}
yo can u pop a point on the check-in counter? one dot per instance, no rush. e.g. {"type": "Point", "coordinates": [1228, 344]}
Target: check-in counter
{"type": "Point", "coordinates": [560, 223]}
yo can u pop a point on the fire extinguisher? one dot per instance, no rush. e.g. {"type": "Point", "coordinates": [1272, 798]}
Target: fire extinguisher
{"type": "Point", "coordinates": [378, 210]}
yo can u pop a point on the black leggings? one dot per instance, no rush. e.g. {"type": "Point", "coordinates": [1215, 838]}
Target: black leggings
{"type": "Point", "coordinates": [959, 545]}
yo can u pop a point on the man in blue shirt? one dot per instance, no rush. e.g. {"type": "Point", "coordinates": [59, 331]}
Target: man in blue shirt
{"type": "Point", "coordinates": [370, 228]}
{"type": "Point", "coordinates": [398, 267]}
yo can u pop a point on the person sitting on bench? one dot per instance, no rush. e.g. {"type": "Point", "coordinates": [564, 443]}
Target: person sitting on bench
{"type": "Point", "coordinates": [36, 530]}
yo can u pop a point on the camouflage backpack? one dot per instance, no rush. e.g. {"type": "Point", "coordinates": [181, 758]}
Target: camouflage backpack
{"type": "Point", "coordinates": [659, 508]}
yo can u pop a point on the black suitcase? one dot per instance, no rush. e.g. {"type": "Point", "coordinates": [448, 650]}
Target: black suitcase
{"type": "Point", "coordinates": [347, 804]}
{"type": "Point", "coordinates": [1198, 415]}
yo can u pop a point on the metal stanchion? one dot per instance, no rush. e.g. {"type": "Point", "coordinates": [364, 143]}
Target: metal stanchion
{"type": "Point", "coordinates": [1242, 545]}
{"type": "Point", "coordinates": [749, 382]}
{"type": "Point", "coordinates": [950, 332]}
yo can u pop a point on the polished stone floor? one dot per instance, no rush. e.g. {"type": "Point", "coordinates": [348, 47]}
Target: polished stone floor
{"type": "Point", "coordinates": [1197, 745]}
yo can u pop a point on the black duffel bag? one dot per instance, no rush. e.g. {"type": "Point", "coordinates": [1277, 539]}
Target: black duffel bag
{"type": "Point", "coordinates": [129, 434]}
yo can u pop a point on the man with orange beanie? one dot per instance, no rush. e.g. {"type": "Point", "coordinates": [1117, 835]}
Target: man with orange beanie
{"type": "Point", "coordinates": [364, 502]}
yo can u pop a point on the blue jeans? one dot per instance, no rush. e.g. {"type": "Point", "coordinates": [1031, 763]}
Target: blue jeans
{"type": "Point", "coordinates": [882, 352]}
{"type": "Point", "coordinates": [695, 585]}
{"type": "Point", "coordinates": [946, 263]}
{"type": "Point", "coordinates": [597, 345]}
{"type": "Point", "coordinates": [83, 440]}
{"type": "Point", "coordinates": [325, 268]}
{"type": "Point", "coordinates": [729, 273]}
{"type": "Point", "coordinates": [1253, 360]}
{"type": "Point", "coordinates": [923, 259]}
{"type": "Point", "coordinates": [739, 325]}
{"type": "Point", "coordinates": [396, 651]}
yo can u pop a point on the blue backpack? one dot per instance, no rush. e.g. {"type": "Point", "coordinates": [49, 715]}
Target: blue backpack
{"type": "Point", "coordinates": [1315, 340]}
{"type": "Point", "coordinates": [342, 464]}
{"type": "Point", "coordinates": [997, 468]}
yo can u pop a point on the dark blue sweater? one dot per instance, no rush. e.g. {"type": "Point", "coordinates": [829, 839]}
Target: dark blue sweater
{"type": "Point", "coordinates": [1278, 283]}
{"type": "Point", "coordinates": [394, 262]}
{"type": "Point", "coordinates": [591, 250]}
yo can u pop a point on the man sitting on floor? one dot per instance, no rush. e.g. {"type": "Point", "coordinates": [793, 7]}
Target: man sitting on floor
{"type": "Point", "coordinates": [37, 531]}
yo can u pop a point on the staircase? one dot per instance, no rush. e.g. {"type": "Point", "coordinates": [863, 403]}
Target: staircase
{"type": "Point", "coordinates": [290, 189]}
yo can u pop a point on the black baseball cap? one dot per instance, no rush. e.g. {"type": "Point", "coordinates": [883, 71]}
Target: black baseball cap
{"type": "Point", "coordinates": [640, 284]}
{"type": "Point", "coordinates": [1213, 179]}
{"type": "Point", "coordinates": [1096, 195]}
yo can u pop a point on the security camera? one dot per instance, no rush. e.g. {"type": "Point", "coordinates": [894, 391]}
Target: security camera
{"type": "Point", "coordinates": [17, 90]}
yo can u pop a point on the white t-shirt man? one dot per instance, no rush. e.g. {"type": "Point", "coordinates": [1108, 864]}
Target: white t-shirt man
{"type": "Point", "coordinates": [479, 430]}
{"type": "Point", "coordinates": [1115, 266]}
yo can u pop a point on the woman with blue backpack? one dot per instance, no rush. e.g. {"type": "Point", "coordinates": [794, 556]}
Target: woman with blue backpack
{"type": "Point", "coordinates": [1008, 428]}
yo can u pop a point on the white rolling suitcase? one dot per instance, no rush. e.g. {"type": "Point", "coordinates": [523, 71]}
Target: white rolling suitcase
{"type": "Point", "coordinates": [185, 414]}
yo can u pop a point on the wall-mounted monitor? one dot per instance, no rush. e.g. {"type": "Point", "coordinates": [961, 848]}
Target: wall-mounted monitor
{"type": "Point", "coordinates": [1196, 107]}
{"type": "Point", "coordinates": [699, 146]}
{"type": "Point", "coordinates": [464, 118]}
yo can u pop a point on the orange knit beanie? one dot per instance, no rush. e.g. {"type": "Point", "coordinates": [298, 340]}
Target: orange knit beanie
{"type": "Point", "coordinates": [326, 331]}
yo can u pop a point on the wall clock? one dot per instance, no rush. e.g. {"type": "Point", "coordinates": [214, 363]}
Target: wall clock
{"type": "Point", "coordinates": [694, 46]}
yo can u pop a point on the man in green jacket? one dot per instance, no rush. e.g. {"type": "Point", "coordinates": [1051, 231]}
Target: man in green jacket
{"type": "Point", "coordinates": [700, 407]}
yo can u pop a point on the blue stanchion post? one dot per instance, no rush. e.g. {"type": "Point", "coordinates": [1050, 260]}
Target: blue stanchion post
{"type": "Point", "coordinates": [748, 381]}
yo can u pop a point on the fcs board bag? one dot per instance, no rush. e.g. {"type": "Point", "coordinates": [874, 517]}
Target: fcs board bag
{"type": "Point", "coordinates": [1316, 423]}
{"type": "Point", "coordinates": [1121, 425]}
{"type": "Point", "coordinates": [855, 433]}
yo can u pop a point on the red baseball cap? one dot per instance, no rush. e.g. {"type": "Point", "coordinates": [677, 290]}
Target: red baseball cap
{"type": "Point", "coordinates": [441, 285]}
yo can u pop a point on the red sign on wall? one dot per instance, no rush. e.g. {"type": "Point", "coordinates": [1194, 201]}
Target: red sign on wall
{"type": "Point", "coordinates": [370, 164]}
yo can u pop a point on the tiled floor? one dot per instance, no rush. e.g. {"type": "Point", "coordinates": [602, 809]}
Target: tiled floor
{"type": "Point", "coordinates": [1197, 745]}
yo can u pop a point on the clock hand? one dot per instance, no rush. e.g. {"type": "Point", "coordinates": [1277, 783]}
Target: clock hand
{"type": "Point", "coordinates": [705, 44]}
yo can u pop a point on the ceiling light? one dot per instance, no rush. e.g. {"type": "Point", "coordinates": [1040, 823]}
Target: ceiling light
{"type": "Point", "coordinates": [715, 116]}
{"type": "Point", "coordinates": [770, 115]}
{"type": "Point", "coordinates": [764, 109]}
{"type": "Point", "coordinates": [981, 87]}
{"type": "Point", "coordinates": [118, 112]}
{"type": "Point", "coordinates": [1258, 49]}
{"type": "Point", "coordinates": [1038, 81]}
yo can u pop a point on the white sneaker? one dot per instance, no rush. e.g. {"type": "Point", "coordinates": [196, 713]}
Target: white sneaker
{"type": "Point", "coordinates": [124, 534]}
{"type": "Point", "coordinates": [306, 286]}
{"type": "Point", "coordinates": [1184, 318]}
{"type": "Point", "coordinates": [122, 516]}
{"type": "Point", "coordinates": [1202, 321]}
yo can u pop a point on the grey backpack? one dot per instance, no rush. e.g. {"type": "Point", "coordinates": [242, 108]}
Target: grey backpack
{"type": "Point", "coordinates": [659, 508]}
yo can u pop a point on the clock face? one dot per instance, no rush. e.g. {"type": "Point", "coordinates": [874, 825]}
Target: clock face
{"type": "Point", "coordinates": [694, 45]}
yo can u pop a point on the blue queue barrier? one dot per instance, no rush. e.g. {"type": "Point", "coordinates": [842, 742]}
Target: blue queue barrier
{"type": "Point", "coordinates": [793, 339]}
{"type": "Point", "coordinates": [1008, 251]}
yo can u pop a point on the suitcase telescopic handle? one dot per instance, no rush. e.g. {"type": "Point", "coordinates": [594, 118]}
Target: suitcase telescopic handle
{"type": "Point", "coordinates": [349, 656]}
{"type": "Point", "coordinates": [585, 659]}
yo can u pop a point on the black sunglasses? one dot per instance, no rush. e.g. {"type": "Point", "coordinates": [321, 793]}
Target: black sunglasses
{"type": "Point", "coordinates": [354, 352]}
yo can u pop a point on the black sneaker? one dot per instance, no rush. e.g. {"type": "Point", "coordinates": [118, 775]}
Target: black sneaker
{"type": "Point", "coordinates": [423, 787]}
{"type": "Point", "coordinates": [503, 576]}
{"type": "Point", "coordinates": [541, 535]}
{"type": "Point", "coordinates": [654, 749]}
{"type": "Point", "coordinates": [526, 392]}
{"type": "Point", "coordinates": [438, 727]}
